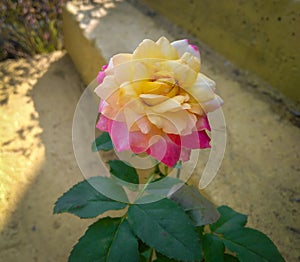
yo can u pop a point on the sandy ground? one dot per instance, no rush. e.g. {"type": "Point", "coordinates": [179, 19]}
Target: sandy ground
{"type": "Point", "coordinates": [259, 175]}
{"type": "Point", "coordinates": [37, 161]}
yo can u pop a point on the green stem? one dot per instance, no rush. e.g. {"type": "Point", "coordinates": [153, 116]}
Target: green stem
{"type": "Point", "coordinates": [166, 170]}
{"type": "Point", "coordinates": [151, 255]}
{"type": "Point", "coordinates": [156, 169]}
{"type": "Point", "coordinates": [179, 169]}
{"type": "Point", "coordinates": [149, 180]}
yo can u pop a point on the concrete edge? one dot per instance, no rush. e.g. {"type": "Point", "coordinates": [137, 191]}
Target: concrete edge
{"type": "Point", "coordinates": [86, 57]}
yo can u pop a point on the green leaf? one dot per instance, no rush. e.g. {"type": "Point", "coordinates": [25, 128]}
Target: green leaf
{"type": "Point", "coordinates": [123, 171]}
{"type": "Point", "coordinates": [230, 258]}
{"type": "Point", "coordinates": [213, 248]}
{"type": "Point", "coordinates": [143, 247]}
{"type": "Point", "coordinates": [109, 187]}
{"type": "Point", "coordinates": [199, 230]}
{"type": "Point", "coordinates": [162, 258]}
{"type": "Point", "coordinates": [109, 239]}
{"type": "Point", "coordinates": [102, 142]}
{"type": "Point", "coordinates": [251, 245]}
{"type": "Point", "coordinates": [159, 189]}
{"type": "Point", "coordinates": [229, 220]}
{"type": "Point", "coordinates": [164, 226]}
{"type": "Point", "coordinates": [163, 186]}
{"type": "Point", "coordinates": [85, 201]}
{"type": "Point", "coordinates": [200, 210]}
{"type": "Point", "coordinates": [146, 255]}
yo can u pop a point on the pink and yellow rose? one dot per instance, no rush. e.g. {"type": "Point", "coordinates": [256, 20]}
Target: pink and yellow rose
{"type": "Point", "coordinates": [156, 101]}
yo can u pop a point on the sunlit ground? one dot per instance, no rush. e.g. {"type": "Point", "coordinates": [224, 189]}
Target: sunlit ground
{"type": "Point", "coordinates": [38, 97]}
{"type": "Point", "coordinates": [22, 151]}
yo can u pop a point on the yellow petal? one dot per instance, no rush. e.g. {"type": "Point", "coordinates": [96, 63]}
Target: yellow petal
{"type": "Point", "coordinates": [203, 88]}
{"type": "Point", "coordinates": [142, 71]}
{"type": "Point", "coordinates": [151, 99]}
{"type": "Point", "coordinates": [192, 61]}
{"type": "Point", "coordinates": [131, 117]}
{"type": "Point", "coordinates": [174, 91]}
{"type": "Point", "coordinates": [113, 112]}
{"type": "Point", "coordinates": [156, 87]}
{"type": "Point", "coordinates": [196, 109]}
{"type": "Point", "coordinates": [181, 98]}
{"type": "Point", "coordinates": [144, 125]}
{"type": "Point", "coordinates": [107, 87]}
{"type": "Point", "coordinates": [171, 105]}
{"type": "Point", "coordinates": [181, 122]}
{"type": "Point", "coordinates": [136, 70]}
{"type": "Point", "coordinates": [123, 72]}
{"type": "Point", "coordinates": [183, 74]}
{"type": "Point", "coordinates": [121, 58]}
{"type": "Point", "coordinates": [167, 49]}
{"type": "Point", "coordinates": [147, 49]}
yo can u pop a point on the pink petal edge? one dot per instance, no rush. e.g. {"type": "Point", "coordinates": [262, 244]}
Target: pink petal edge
{"type": "Point", "coordinates": [167, 152]}
{"type": "Point", "coordinates": [101, 74]}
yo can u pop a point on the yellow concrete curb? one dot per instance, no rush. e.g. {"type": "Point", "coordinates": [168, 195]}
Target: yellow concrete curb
{"type": "Point", "coordinates": [93, 33]}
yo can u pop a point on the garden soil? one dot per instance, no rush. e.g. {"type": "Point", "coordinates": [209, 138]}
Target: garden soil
{"type": "Point", "coordinates": [259, 175]}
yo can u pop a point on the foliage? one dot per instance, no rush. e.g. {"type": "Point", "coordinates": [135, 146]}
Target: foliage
{"type": "Point", "coordinates": [29, 27]}
{"type": "Point", "coordinates": [184, 226]}
{"type": "Point", "coordinates": [102, 142]}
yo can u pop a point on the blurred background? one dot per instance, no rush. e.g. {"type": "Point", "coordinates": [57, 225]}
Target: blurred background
{"type": "Point", "coordinates": [30, 27]}
{"type": "Point", "coordinates": [51, 50]}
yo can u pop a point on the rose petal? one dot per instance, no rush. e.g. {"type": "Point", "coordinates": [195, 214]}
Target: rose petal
{"type": "Point", "coordinates": [212, 105]}
{"type": "Point", "coordinates": [192, 61]}
{"type": "Point", "coordinates": [165, 151]}
{"type": "Point", "coordinates": [182, 73]}
{"type": "Point", "coordinates": [140, 142]}
{"type": "Point", "coordinates": [132, 117]}
{"type": "Point", "coordinates": [167, 49]}
{"type": "Point", "coordinates": [101, 105]}
{"type": "Point", "coordinates": [168, 152]}
{"type": "Point", "coordinates": [104, 123]}
{"type": "Point", "coordinates": [202, 89]}
{"type": "Point", "coordinates": [180, 122]}
{"type": "Point", "coordinates": [196, 140]}
{"type": "Point", "coordinates": [134, 70]}
{"type": "Point", "coordinates": [147, 49]}
{"type": "Point", "coordinates": [119, 135]}
{"type": "Point", "coordinates": [112, 109]}
{"type": "Point", "coordinates": [101, 74]}
{"type": "Point", "coordinates": [185, 154]}
{"type": "Point", "coordinates": [142, 71]}
{"type": "Point", "coordinates": [196, 109]}
{"type": "Point", "coordinates": [152, 100]}
{"type": "Point", "coordinates": [107, 87]}
{"type": "Point", "coordinates": [170, 105]}
{"type": "Point", "coordinates": [204, 140]}
{"type": "Point", "coordinates": [203, 124]}
{"type": "Point", "coordinates": [121, 59]}
{"type": "Point", "coordinates": [144, 125]}
{"type": "Point", "coordinates": [183, 46]}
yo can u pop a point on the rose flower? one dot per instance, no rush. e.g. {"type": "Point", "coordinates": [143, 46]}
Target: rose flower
{"type": "Point", "coordinates": [156, 101]}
